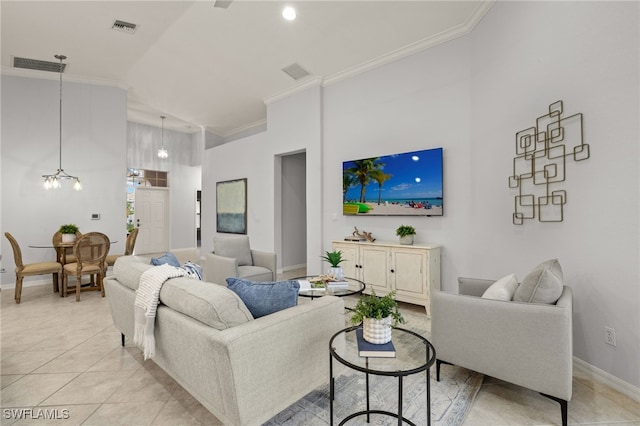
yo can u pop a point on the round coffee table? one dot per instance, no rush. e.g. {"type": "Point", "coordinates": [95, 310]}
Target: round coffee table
{"type": "Point", "coordinates": [355, 287]}
{"type": "Point", "coordinates": [414, 354]}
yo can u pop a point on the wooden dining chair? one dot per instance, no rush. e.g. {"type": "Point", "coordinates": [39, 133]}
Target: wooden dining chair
{"type": "Point", "coordinates": [56, 240]}
{"type": "Point", "coordinates": [128, 249]}
{"type": "Point", "coordinates": [30, 269]}
{"type": "Point", "coordinates": [91, 251]}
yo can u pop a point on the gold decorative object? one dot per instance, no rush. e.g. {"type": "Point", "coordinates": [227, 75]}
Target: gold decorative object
{"type": "Point", "coordinates": [363, 235]}
{"type": "Point", "coordinates": [540, 164]}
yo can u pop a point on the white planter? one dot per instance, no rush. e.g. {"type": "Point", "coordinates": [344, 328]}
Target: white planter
{"type": "Point", "coordinates": [337, 272]}
{"type": "Point", "coordinates": [377, 331]}
{"type": "Point", "coordinates": [68, 238]}
{"type": "Point", "coordinates": [407, 240]}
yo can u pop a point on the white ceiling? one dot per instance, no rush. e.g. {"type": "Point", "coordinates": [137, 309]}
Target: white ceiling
{"type": "Point", "coordinates": [202, 65]}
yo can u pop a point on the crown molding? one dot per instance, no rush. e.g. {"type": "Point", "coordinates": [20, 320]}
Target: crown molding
{"type": "Point", "coordinates": [311, 82]}
{"type": "Point", "coordinates": [415, 47]}
{"type": "Point", "coordinates": [246, 130]}
{"type": "Point", "coordinates": [418, 46]}
{"type": "Point", "coordinates": [68, 78]}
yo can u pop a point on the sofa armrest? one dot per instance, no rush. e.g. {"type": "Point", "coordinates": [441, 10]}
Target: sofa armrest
{"type": "Point", "coordinates": [265, 259]}
{"type": "Point", "coordinates": [523, 343]}
{"type": "Point", "coordinates": [473, 286]}
{"type": "Point", "coordinates": [219, 268]}
{"type": "Point", "coordinates": [286, 352]}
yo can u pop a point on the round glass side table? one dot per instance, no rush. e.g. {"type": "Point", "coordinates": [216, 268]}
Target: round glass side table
{"type": "Point", "coordinates": [355, 287]}
{"type": "Point", "coordinates": [414, 354]}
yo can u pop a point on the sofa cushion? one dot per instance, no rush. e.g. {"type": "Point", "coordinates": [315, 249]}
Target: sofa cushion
{"type": "Point", "coordinates": [168, 258]}
{"type": "Point", "coordinates": [542, 285]}
{"type": "Point", "coordinates": [235, 247]}
{"type": "Point", "coordinates": [212, 304]}
{"type": "Point", "coordinates": [128, 269]}
{"type": "Point", "coordinates": [264, 298]}
{"type": "Point", "coordinates": [503, 289]}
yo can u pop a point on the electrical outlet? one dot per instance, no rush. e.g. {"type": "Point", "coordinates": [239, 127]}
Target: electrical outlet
{"type": "Point", "coordinates": [610, 336]}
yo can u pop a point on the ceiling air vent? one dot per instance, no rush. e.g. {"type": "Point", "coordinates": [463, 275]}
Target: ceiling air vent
{"type": "Point", "coordinates": [35, 64]}
{"type": "Point", "coordinates": [295, 71]}
{"type": "Point", "coordinates": [125, 27]}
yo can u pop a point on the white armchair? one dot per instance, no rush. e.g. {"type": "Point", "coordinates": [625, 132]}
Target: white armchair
{"type": "Point", "coordinates": [233, 257]}
{"type": "Point", "coordinates": [528, 344]}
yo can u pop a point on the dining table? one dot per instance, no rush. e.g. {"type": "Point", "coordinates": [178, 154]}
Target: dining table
{"type": "Point", "coordinates": [61, 248]}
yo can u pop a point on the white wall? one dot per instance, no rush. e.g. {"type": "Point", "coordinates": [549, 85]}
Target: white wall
{"type": "Point", "coordinates": [417, 103]}
{"type": "Point", "coordinates": [94, 139]}
{"type": "Point", "coordinates": [294, 126]}
{"type": "Point", "coordinates": [470, 96]}
{"type": "Point", "coordinates": [587, 55]}
{"type": "Point", "coordinates": [293, 212]}
{"type": "Point", "coordinates": [184, 172]}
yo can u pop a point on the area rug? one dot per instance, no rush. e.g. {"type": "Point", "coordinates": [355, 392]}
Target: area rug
{"type": "Point", "coordinates": [451, 398]}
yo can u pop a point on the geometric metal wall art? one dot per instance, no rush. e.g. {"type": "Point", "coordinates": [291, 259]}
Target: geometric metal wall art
{"type": "Point", "coordinates": [539, 165]}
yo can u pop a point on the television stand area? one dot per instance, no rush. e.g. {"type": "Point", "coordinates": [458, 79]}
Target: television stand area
{"type": "Point", "coordinates": [410, 270]}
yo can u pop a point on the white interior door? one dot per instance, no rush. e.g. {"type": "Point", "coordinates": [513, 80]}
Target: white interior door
{"type": "Point", "coordinates": [152, 217]}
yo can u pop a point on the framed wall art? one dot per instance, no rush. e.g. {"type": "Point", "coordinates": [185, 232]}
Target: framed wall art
{"type": "Point", "coordinates": [231, 206]}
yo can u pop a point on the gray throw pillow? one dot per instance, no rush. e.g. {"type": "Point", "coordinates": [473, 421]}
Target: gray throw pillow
{"type": "Point", "coordinates": [235, 247]}
{"type": "Point", "coordinates": [542, 285]}
{"type": "Point", "coordinates": [264, 298]}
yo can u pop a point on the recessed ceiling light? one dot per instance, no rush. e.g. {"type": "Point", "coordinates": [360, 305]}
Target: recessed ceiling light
{"type": "Point", "coordinates": [289, 13]}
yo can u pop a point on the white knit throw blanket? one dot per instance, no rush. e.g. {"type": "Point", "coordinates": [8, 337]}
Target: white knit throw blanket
{"type": "Point", "coordinates": [146, 305]}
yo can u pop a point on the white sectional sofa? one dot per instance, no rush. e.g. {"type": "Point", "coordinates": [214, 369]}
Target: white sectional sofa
{"type": "Point", "coordinates": [243, 370]}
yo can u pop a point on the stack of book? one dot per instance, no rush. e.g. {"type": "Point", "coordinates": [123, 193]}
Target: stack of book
{"type": "Point", "coordinates": [337, 284]}
{"type": "Point", "coordinates": [366, 349]}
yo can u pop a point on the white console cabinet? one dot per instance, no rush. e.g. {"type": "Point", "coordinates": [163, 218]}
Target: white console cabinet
{"type": "Point", "coordinates": [384, 266]}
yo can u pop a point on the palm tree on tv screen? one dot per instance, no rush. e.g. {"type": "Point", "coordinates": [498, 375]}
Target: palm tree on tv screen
{"type": "Point", "coordinates": [348, 180]}
{"type": "Point", "coordinates": [362, 171]}
{"type": "Point", "coordinates": [380, 177]}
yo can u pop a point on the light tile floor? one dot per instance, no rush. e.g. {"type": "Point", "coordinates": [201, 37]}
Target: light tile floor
{"type": "Point", "coordinates": [65, 358]}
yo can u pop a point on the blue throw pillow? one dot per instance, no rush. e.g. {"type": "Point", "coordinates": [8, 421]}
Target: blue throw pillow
{"type": "Point", "coordinates": [264, 298]}
{"type": "Point", "coordinates": [169, 258]}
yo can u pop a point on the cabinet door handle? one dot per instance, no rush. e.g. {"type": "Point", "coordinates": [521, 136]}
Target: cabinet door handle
{"type": "Point", "coordinates": [392, 271]}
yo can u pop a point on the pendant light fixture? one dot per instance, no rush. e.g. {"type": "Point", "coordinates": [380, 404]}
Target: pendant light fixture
{"type": "Point", "coordinates": [162, 152]}
{"type": "Point", "coordinates": [53, 181]}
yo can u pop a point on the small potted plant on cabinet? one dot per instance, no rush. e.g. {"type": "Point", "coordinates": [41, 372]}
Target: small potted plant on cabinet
{"type": "Point", "coordinates": [406, 233]}
{"type": "Point", "coordinates": [68, 232]}
{"type": "Point", "coordinates": [377, 315]}
{"type": "Point", "coordinates": [335, 258]}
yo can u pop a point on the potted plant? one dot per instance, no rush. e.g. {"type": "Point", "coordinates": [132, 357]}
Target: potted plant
{"type": "Point", "coordinates": [335, 258]}
{"type": "Point", "coordinates": [406, 233]}
{"type": "Point", "coordinates": [68, 232]}
{"type": "Point", "coordinates": [378, 315]}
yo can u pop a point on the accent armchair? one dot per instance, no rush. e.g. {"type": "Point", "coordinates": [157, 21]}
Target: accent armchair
{"type": "Point", "coordinates": [528, 344]}
{"type": "Point", "coordinates": [233, 257]}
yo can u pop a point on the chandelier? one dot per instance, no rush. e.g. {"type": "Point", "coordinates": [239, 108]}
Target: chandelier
{"type": "Point", "coordinates": [162, 152]}
{"type": "Point", "coordinates": [54, 181]}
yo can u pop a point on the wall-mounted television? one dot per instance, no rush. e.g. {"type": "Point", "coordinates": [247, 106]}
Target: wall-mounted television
{"type": "Point", "coordinates": [405, 184]}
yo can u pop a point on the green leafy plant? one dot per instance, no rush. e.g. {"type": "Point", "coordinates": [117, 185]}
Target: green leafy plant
{"type": "Point", "coordinates": [68, 229]}
{"type": "Point", "coordinates": [372, 306]}
{"type": "Point", "coordinates": [405, 230]}
{"type": "Point", "coordinates": [334, 258]}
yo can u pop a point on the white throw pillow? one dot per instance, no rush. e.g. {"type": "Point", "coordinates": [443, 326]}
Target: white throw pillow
{"type": "Point", "coordinates": [502, 289]}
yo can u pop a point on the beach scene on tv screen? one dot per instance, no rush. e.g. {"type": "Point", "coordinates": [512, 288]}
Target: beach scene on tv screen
{"type": "Point", "coordinates": [409, 183]}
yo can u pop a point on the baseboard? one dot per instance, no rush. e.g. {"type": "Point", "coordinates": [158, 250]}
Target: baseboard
{"type": "Point", "coordinates": [610, 380]}
{"type": "Point", "coordinates": [292, 267]}
{"type": "Point", "coordinates": [34, 283]}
